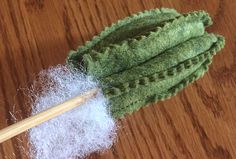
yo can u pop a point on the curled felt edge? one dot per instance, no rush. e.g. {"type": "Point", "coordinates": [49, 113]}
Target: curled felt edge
{"type": "Point", "coordinates": [114, 27]}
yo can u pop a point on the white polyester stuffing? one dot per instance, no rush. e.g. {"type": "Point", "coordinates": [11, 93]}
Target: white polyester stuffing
{"type": "Point", "coordinates": [77, 133]}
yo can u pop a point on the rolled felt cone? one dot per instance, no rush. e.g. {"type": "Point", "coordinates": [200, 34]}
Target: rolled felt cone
{"type": "Point", "coordinates": [148, 57]}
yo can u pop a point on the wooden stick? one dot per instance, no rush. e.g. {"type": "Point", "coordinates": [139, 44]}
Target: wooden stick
{"type": "Point", "coordinates": [46, 115]}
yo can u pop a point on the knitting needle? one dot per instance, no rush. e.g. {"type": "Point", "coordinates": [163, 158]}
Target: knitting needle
{"type": "Point", "coordinates": [46, 115]}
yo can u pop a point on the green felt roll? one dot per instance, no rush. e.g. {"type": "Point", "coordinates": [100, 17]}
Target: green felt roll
{"type": "Point", "coordinates": [148, 57]}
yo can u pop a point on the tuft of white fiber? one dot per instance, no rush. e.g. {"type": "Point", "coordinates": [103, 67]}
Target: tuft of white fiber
{"type": "Point", "coordinates": [76, 133]}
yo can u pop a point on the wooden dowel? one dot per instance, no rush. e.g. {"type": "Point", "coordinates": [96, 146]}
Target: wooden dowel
{"type": "Point", "coordinates": [44, 116]}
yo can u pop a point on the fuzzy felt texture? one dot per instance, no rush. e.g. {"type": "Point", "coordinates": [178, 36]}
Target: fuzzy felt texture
{"type": "Point", "coordinates": [76, 133]}
{"type": "Point", "coordinates": [148, 57]}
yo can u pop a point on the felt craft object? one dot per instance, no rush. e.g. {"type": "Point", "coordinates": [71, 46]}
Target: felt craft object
{"type": "Point", "coordinates": [144, 58]}
{"type": "Point", "coordinates": [148, 57]}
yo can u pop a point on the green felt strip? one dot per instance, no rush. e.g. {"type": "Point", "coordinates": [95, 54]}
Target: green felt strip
{"type": "Point", "coordinates": [122, 30]}
{"type": "Point", "coordinates": [122, 56]}
{"type": "Point", "coordinates": [129, 109]}
{"type": "Point", "coordinates": [129, 98]}
{"type": "Point", "coordinates": [164, 61]}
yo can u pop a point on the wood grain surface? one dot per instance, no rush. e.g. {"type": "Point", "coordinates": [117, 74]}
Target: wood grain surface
{"type": "Point", "coordinates": [200, 122]}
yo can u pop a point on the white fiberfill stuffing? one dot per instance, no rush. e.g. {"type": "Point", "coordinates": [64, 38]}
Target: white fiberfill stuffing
{"type": "Point", "coordinates": [77, 133]}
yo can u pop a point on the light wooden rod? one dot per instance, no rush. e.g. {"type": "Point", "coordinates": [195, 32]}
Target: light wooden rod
{"type": "Point", "coordinates": [46, 115]}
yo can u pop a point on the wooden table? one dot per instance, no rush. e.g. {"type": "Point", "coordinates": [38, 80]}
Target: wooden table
{"type": "Point", "coordinates": [200, 122]}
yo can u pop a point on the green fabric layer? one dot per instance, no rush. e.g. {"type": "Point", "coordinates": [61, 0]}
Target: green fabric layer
{"type": "Point", "coordinates": [122, 30]}
{"type": "Point", "coordinates": [148, 57]}
{"type": "Point", "coordinates": [130, 53]}
{"type": "Point", "coordinates": [160, 95]}
{"type": "Point", "coordinates": [167, 59]}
